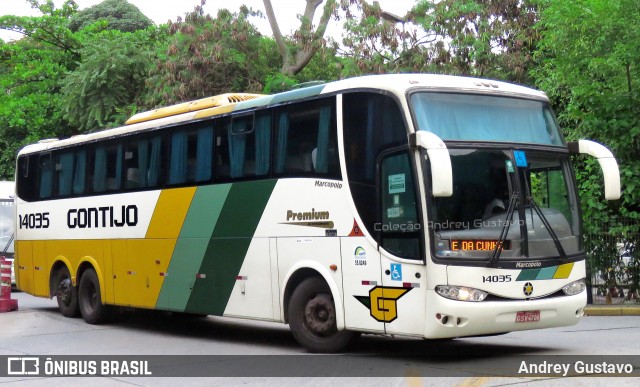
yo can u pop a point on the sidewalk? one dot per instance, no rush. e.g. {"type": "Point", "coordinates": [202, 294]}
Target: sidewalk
{"type": "Point", "coordinates": [612, 310]}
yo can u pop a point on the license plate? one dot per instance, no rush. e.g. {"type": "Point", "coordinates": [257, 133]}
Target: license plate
{"type": "Point", "coordinates": [529, 316]}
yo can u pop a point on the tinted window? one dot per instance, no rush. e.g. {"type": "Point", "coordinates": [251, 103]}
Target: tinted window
{"type": "Point", "coordinates": [372, 123]}
{"type": "Point", "coordinates": [143, 162]}
{"type": "Point", "coordinates": [106, 168]}
{"type": "Point", "coordinates": [307, 141]}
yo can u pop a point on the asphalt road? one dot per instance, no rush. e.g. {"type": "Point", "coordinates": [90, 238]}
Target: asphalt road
{"type": "Point", "coordinates": [37, 329]}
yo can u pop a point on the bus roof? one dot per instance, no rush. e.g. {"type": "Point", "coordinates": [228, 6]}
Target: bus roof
{"type": "Point", "coordinates": [398, 84]}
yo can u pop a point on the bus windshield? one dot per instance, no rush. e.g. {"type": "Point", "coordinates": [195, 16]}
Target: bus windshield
{"type": "Point", "coordinates": [486, 183]}
{"type": "Point", "coordinates": [471, 117]}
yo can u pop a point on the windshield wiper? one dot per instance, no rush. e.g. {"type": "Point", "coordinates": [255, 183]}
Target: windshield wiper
{"type": "Point", "coordinates": [495, 256]}
{"type": "Point", "coordinates": [547, 225]}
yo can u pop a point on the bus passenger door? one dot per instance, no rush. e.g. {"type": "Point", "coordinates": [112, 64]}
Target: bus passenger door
{"type": "Point", "coordinates": [23, 266]}
{"type": "Point", "coordinates": [402, 296]}
{"type": "Point", "coordinates": [361, 280]}
{"type": "Point", "coordinates": [121, 291]}
{"type": "Point", "coordinates": [40, 272]}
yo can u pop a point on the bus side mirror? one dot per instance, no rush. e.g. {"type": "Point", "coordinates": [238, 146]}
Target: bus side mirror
{"type": "Point", "coordinates": [607, 162]}
{"type": "Point", "coordinates": [438, 154]}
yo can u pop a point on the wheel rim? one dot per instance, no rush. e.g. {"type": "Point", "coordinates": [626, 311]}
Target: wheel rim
{"type": "Point", "coordinates": [64, 291]}
{"type": "Point", "coordinates": [320, 315]}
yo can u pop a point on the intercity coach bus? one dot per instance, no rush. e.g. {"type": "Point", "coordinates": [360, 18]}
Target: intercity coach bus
{"type": "Point", "coordinates": [420, 205]}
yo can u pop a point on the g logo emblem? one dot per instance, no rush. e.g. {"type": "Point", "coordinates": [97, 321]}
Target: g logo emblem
{"type": "Point", "coordinates": [382, 302]}
{"type": "Point", "coordinates": [527, 289]}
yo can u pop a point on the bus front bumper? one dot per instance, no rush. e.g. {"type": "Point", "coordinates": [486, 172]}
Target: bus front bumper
{"type": "Point", "coordinates": [449, 318]}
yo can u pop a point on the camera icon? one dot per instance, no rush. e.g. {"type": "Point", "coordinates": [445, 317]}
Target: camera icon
{"type": "Point", "coordinates": [23, 366]}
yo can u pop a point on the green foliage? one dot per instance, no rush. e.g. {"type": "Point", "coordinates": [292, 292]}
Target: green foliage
{"type": "Point", "coordinates": [278, 82]}
{"type": "Point", "coordinates": [207, 56]}
{"type": "Point", "coordinates": [108, 80]}
{"type": "Point", "coordinates": [491, 39]}
{"type": "Point", "coordinates": [119, 14]}
{"type": "Point", "coordinates": [31, 73]}
{"type": "Point", "coordinates": [589, 67]}
{"type": "Point", "coordinates": [50, 29]}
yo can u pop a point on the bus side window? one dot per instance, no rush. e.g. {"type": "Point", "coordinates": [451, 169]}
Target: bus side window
{"type": "Point", "coordinates": [191, 155]}
{"type": "Point", "coordinates": [70, 171]}
{"type": "Point", "coordinates": [244, 146]}
{"type": "Point", "coordinates": [222, 164]}
{"type": "Point", "coordinates": [307, 141]}
{"type": "Point", "coordinates": [143, 163]}
{"type": "Point", "coordinates": [240, 139]}
{"type": "Point", "coordinates": [28, 186]}
{"type": "Point", "coordinates": [107, 168]}
{"type": "Point", "coordinates": [372, 123]}
{"type": "Point", "coordinates": [45, 171]}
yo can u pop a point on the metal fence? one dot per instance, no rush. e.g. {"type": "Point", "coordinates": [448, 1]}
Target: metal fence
{"type": "Point", "coordinates": [613, 265]}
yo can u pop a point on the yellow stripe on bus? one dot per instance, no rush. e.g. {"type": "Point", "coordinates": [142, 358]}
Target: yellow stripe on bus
{"type": "Point", "coordinates": [170, 213]}
{"type": "Point", "coordinates": [563, 271]}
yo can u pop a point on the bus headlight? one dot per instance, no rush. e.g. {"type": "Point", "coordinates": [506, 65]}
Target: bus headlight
{"type": "Point", "coordinates": [574, 288]}
{"type": "Point", "coordinates": [461, 293]}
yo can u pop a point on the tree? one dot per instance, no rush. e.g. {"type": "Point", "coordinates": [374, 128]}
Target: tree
{"type": "Point", "coordinates": [493, 39]}
{"type": "Point", "coordinates": [207, 56]}
{"type": "Point", "coordinates": [590, 69]}
{"type": "Point", "coordinates": [50, 29]}
{"type": "Point", "coordinates": [298, 51]}
{"type": "Point", "coordinates": [109, 79]}
{"type": "Point", "coordinates": [119, 14]}
{"type": "Point", "coordinates": [32, 69]}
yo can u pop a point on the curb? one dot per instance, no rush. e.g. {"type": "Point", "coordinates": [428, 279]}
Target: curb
{"type": "Point", "coordinates": [612, 310]}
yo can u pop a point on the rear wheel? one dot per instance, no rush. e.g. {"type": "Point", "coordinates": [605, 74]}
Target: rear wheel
{"type": "Point", "coordinates": [91, 307]}
{"type": "Point", "coordinates": [66, 294]}
{"type": "Point", "coordinates": [312, 318]}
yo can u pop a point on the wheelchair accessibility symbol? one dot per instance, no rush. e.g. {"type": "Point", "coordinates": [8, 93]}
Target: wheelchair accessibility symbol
{"type": "Point", "coordinates": [396, 272]}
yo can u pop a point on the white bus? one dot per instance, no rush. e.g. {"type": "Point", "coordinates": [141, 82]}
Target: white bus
{"type": "Point", "coordinates": [419, 205]}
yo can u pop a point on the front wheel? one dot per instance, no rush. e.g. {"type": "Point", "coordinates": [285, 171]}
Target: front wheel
{"type": "Point", "coordinates": [91, 307]}
{"type": "Point", "coordinates": [312, 318]}
{"type": "Point", "coordinates": [66, 293]}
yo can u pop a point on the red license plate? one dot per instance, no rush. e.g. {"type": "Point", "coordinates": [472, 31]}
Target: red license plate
{"type": "Point", "coordinates": [529, 316]}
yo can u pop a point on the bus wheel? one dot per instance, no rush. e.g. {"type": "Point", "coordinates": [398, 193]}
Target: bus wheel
{"type": "Point", "coordinates": [91, 307]}
{"type": "Point", "coordinates": [66, 294]}
{"type": "Point", "coordinates": [312, 318]}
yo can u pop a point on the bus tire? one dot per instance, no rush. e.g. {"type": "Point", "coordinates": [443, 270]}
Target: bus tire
{"type": "Point", "coordinates": [312, 318]}
{"type": "Point", "coordinates": [91, 307]}
{"type": "Point", "coordinates": [66, 294]}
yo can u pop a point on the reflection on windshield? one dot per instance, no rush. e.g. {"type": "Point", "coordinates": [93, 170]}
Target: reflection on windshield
{"type": "Point", "coordinates": [469, 223]}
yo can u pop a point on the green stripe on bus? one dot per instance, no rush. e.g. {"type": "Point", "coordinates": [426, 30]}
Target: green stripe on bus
{"type": "Point", "coordinates": [191, 246]}
{"type": "Point", "coordinates": [528, 275]}
{"type": "Point", "coordinates": [228, 247]}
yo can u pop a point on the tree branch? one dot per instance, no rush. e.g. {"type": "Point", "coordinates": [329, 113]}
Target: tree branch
{"type": "Point", "coordinates": [282, 46]}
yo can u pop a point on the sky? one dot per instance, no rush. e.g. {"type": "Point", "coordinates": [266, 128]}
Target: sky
{"type": "Point", "coordinates": [160, 11]}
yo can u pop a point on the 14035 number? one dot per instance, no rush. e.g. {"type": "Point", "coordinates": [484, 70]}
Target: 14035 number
{"type": "Point", "coordinates": [33, 221]}
{"type": "Point", "coordinates": [496, 278]}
